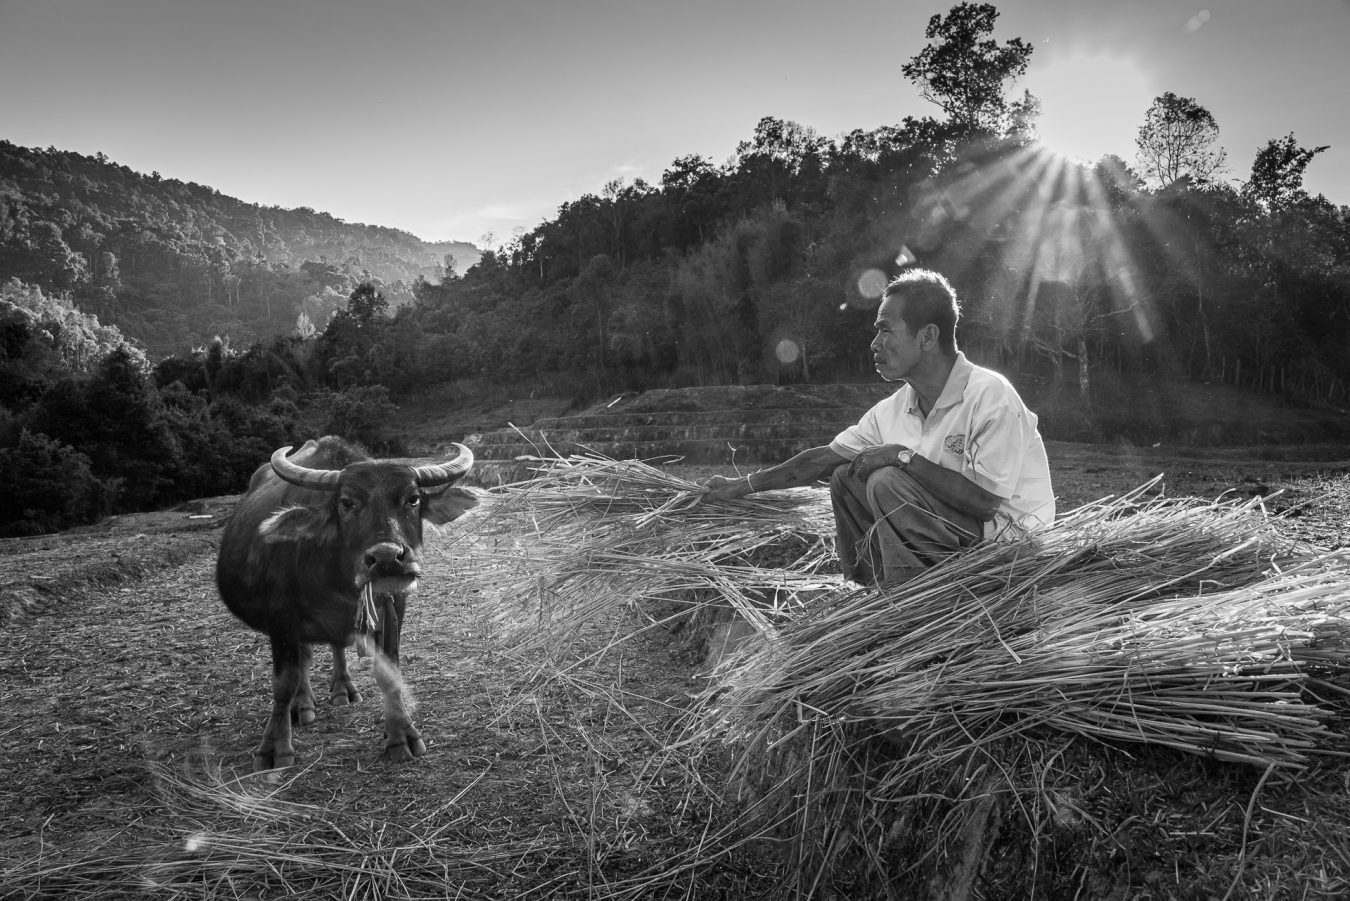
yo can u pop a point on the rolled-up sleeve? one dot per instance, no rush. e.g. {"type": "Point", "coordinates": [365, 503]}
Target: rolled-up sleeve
{"type": "Point", "coordinates": [851, 441]}
{"type": "Point", "coordinates": [867, 432]}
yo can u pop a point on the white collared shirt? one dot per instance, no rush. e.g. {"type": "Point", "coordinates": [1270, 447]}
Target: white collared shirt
{"type": "Point", "coordinates": [978, 427]}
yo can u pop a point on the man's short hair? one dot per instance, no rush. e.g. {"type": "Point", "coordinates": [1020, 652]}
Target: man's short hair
{"type": "Point", "coordinates": [929, 298]}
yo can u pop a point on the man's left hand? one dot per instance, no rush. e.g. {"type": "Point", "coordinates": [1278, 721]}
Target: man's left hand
{"type": "Point", "coordinates": [870, 459]}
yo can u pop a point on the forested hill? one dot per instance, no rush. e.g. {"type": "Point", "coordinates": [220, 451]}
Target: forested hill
{"type": "Point", "coordinates": [1099, 289]}
{"type": "Point", "coordinates": [173, 264]}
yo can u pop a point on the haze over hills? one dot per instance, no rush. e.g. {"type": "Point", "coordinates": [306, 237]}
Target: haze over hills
{"type": "Point", "coordinates": [173, 264]}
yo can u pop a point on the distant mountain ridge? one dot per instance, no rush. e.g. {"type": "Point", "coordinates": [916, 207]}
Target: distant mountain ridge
{"type": "Point", "coordinates": [174, 263]}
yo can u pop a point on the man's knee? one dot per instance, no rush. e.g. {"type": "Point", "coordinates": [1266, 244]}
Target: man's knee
{"type": "Point", "coordinates": [890, 477]}
{"type": "Point", "coordinates": [896, 483]}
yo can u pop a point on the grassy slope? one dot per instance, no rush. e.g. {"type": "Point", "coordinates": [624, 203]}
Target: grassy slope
{"type": "Point", "coordinates": [1273, 452]}
{"type": "Point", "coordinates": [1191, 414]}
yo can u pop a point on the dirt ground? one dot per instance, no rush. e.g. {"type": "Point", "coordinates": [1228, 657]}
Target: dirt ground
{"type": "Point", "coordinates": [119, 664]}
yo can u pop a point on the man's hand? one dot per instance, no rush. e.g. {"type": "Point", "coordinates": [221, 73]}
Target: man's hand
{"type": "Point", "coordinates": [720, 488]}
{"type": "Point", "coordinates": [870, 459]}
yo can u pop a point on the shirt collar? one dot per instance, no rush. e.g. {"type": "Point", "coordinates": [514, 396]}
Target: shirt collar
{"type": "Point", "coordinates": [952, 391]}
{"type": "Point", "coordinates": [956, 382]}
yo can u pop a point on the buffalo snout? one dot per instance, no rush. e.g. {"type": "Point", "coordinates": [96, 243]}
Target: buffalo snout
{"type": "Point", "coordinates": [385, 556]}
{"type": "Point", "coordinates": [389, 566]}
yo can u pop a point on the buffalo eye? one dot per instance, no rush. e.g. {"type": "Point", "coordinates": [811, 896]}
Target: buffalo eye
{"type": "Point", "coordinates": [415, 500]}
{"type": "Point", "coordinates": [348, 504]}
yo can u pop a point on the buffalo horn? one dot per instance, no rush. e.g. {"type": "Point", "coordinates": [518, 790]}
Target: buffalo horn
{"type": "Point", "coordinates": [437, 474]}
{"type": "Point", "coordinates": [322, 479]}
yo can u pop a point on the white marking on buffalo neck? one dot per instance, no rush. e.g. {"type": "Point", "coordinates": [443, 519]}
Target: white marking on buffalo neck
{"type": "Point", "coordinates": [269, 525]}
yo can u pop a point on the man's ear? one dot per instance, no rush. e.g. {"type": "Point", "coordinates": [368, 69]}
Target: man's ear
{"type": "Point", "coordinates": [294, 524]}
{"type": "Point", "coordinates": [449, 503]}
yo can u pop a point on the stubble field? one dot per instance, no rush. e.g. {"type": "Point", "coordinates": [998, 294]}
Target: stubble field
{"type": "Point", "coordinates": [133, 700]}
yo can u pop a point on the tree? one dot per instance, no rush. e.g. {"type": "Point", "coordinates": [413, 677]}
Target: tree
{"type": "Point", "coordinates": [1080, 290]}
{"type": "Point", "coordinates": [48, 337]}
{"type": "Point", "coordinates": [48, 486]}
{"type": "Point", "coordinates": [594, 284]}
{"type": "Point", "coordinates": [1178, 139]}
{"type": "Point", "coordinates": [116, 418]}
{"type": "Point", "coordinates": [781, 155]}
{"type": "Point", "coordinates": [51, 261]}
{"type": "Point", "coordinates": [1277, 173]}
{"type": "Point", "coordinates": [360, 414]}
{"type": "Point", "coordinates": [1024, 118]}
{"type": "Point", "coordinates": [690, 186]}
{"type": "Point", "coordinates": [367, 304]}
{"type": "Point", "coordinates": [965, 71]}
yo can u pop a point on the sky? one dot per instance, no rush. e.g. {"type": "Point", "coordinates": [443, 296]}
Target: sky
{"type": "Point", "coordinates": [461, 119]}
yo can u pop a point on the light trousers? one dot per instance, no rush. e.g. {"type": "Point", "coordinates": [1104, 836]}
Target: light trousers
{"type": "Point", "coordinates": [890, 528]}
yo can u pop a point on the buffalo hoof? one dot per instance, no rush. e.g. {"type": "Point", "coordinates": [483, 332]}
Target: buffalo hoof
{"type": "Point", "coordinates": [409, 747]}
{"type": "Point", "coordinates": [343, 693]}
{"type": "Point", "coordinates": [273, 759]}
{"type": "Point", "coordinates": [302, 713]}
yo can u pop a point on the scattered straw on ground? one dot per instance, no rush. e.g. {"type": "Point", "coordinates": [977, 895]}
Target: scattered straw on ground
{"type": "Point", "coordinates": [574, 751]}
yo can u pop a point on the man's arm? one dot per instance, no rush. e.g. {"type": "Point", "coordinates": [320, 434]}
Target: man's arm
{"type": "Point", "coordinates": [811, 465]}
{"type": "Point", "coordinates": [947, 485]}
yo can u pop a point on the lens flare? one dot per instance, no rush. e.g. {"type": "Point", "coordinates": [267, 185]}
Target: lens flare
{"type": "Point", "coordinates": [788, 351]}
{"type": "Point", "coordinates": [871, 284]}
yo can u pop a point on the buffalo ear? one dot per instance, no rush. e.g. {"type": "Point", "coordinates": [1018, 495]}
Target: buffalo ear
{"type": "Point", "coordinates": [294, 524]}
{"type": "Point", "coordinates": [449, 503]}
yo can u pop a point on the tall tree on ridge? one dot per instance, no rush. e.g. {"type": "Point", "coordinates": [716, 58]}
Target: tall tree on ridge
{"type": "Point", "coordinates": [965, 71]}
{"type": "Point", "coordinates": [1277, 172]}
{"type": "Point", "coordinates": [1178, 139]}
{"type": "Point", "coordinates": [779, 158]}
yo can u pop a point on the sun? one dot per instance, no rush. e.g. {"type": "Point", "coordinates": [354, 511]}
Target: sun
{"type": "Point", "coordinates": [1091, 105]}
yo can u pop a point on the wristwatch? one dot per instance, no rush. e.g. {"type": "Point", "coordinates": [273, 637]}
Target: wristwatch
{"type": "Point", "coordinates": [903, 457]}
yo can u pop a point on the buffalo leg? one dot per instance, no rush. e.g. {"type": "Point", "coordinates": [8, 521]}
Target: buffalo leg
{"type": "Point", "coordinates": [402, 741]}
{"type": "Point", "coordinates": [302, 707]}
{"type": "Point", "coordinates": [341, 688]}
{"type": "Point", "coordinates": [275, 750]}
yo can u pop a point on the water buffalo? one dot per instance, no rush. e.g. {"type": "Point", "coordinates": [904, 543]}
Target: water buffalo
{"type": "Point", "coordinates": [324, 547]}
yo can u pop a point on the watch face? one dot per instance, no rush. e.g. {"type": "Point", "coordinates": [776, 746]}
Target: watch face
{"type": "Point", "coordinates": [904, 456]}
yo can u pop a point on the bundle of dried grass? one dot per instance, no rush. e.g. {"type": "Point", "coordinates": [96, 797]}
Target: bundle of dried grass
{"type": "Point", "coordinates": [623, 534]}
{"type": "Point", "coordinates": [1187, 625]}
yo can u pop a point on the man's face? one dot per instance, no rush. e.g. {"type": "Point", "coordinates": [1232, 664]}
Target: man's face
{"type": "Point", "coordinates": [895, 351]}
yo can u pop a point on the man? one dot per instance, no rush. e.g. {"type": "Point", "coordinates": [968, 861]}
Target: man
{"type": "Point", "coordinates": [950, 458]}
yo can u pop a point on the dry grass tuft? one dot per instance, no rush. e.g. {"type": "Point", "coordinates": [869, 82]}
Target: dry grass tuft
{"type": "Point", "coordinates": [611, 534]}
{"type": "Point", "coordinates": [238, 838]}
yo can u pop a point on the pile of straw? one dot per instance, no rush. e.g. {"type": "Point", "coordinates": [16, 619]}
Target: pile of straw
{"type": "Point", "coordinates": [1184, 625]}
{"type": "Point", "coordinates": [622, 534]}
{"type": "Point", "coordinates": [868, 717]}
